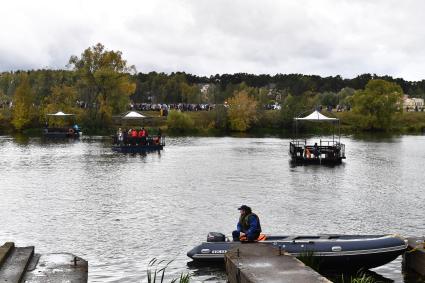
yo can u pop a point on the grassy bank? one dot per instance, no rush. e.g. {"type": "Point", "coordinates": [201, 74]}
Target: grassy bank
{"type": "Point", "coordinates": [404, 123]}
{"type": "Point", "coordinates": [204, 123]}
{"type": "Point", "coordinates": [269, 123]}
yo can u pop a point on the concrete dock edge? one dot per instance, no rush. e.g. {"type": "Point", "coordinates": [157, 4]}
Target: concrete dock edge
{"type": "Point", "coordinates": [414, 258]}
{"type": "Point", "coordinates": [247, 263]}
{"type": "Point", "coordinates": [21, 264]}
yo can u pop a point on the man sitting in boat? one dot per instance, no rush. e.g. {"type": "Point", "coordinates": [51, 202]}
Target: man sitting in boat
{"type": "Point", "coordinates": [248, 227]}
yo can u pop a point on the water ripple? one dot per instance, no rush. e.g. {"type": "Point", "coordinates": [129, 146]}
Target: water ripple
{"type": "Point", "coordinates": [120, 211]}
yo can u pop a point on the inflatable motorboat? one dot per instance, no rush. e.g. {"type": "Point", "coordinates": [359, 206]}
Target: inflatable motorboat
{"type": "Point", "coordinates": [335, 252]}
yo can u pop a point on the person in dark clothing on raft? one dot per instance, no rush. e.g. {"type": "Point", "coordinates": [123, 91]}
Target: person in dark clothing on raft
{"type": "Point", "coordinates": [316, 151]}
{"type": "Point", "coordinates": [248, 228]}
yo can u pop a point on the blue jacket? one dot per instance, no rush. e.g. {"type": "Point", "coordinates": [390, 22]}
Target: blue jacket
{"type": "Point", "coordinates": [251, 226]}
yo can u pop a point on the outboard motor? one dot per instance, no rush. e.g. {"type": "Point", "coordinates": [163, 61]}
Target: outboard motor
{"type": "Point", "coordinates": [216, 237]}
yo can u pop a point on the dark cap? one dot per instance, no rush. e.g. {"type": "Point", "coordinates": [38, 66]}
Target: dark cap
{"type": "Point", "coordinates": [244, 207]}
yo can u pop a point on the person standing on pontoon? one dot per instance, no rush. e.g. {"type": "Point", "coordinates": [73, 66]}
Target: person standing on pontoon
{"type": "Point", "coordinates": [120, 136]}
{"type": "Point", "coordinates": [316, 151]}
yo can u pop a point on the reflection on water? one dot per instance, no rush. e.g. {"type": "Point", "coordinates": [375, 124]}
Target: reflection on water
{"type": "Point", "coordinates": [120, 211]}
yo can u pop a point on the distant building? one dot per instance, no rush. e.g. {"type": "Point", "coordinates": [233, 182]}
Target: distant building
{"type": "Point", "coordinates": [413, 104]}
{"type": "Point", "coordinates": [204, 88]}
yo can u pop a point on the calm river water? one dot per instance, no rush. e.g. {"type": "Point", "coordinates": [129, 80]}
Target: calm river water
{"type": "Point", "coordinates": [120, 211]}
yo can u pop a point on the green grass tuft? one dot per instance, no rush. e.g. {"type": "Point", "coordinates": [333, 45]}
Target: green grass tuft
{"type": "Point", "coordinates": [308, 258]}
{"type": "Point", "coordinates": [156, 272]}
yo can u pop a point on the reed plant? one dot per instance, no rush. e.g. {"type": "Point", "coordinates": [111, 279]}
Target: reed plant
{"type": "Point", "coordinates": [156, 272]}
{"type": "Point", "coordinates": [360, 277]}
{"type": "Point", "coordinates": [308, 258]}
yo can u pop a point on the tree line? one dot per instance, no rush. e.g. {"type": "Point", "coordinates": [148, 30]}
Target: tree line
{"type": "Point", "coordinates": [100, 83]}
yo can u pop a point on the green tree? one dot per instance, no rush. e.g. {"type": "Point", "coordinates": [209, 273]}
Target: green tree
{"type": "Point", "coordinates": [3, 105]}
{"type": "Point", "coordinates": [344, 96]}
{"type": "Point", "coordinates": [63, 98]}
{"type": "Point", "coordinates": [219, 117]}
{"type": "Point", "coordinates": [328, 98]}
{"type": "Point", "coordinates": [190, 94]}
{"type": "Point", "coordinates": [263, 96]}
{"type": "Point", "coordinates": [242, 111]}
{"type": "Point", "coordinates": [104, 82]}
{"type": "Point", "coordinates": [377, 104]}
{"type": "Point", "coordinates": [23, 112]}
{"type": "Point", "coordinates": [293, 106]}
{"type": "Point", "coordinates": [179, 122]}
{"type": "Point", "coordinates": [3, 98]}
{"type": "Point", "coordinates": [290, 109]}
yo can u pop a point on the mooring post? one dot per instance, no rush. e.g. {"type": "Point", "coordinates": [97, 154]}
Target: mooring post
{"type": "Point", "coordinates": [75, 260]}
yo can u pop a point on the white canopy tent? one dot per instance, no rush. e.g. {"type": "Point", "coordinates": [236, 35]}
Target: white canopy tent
{"type": "Point", "coordinates": [316, 116]}
{"type": "Point", "coordinates": [133, 115]}
{"type": "Point", "coordinates": [60, 114]}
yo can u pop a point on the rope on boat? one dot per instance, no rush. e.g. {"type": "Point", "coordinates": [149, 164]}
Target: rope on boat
{"type": "Point", "coordinates": [417, 247]}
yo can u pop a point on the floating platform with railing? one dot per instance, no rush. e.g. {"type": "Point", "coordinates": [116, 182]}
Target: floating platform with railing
{"type": "Point", "coordinates": [62, 133]}
{"type": "Point", "coordinates": [322, 152]}
{"type": "Point", "coordinates": [138, 145]}
{"type": "Point", "coordinates": [72, 132]}
{"type": "Point", "coordinates": [325, 152]}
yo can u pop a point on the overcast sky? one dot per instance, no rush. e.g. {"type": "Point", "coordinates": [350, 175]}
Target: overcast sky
{"type": "Point", "coordinates": [206, 37]}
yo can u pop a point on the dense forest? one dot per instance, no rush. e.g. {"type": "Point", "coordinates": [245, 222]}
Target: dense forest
{"type": "Point", "coordinates": [181, 87]}
{"type": "Point", "coordinates": [100, 84]}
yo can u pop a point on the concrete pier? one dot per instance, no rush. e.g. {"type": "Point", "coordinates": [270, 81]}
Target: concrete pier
{"type": "Point", "coordinates": [15, 264]}
{"type": "Point", "coordinates": [23, 265]}
{"type": "Point", "coordinates": [62, 267]}
{"type": "Point", "coordinates": [414, 258]}
{"type": "Point", "coordinates": [5, 250]}
{"type": "Point", "coordinates": [247, 263]}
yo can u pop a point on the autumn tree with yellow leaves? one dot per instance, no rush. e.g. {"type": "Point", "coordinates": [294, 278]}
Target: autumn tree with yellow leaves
{"type": "Point", "coordinates": [63, 98]}
{"type": "Point", "coordinates": [242, 111]}
{"type": "Point", "coordinates": [24, 111]}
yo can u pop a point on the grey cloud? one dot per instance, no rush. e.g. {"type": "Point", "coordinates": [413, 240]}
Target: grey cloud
{"type": "Point", "coordinates": [326, 37]}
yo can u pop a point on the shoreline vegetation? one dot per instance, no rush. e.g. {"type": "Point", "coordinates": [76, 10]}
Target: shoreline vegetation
{"type": "Point", "coordinates": [99, 86]}
{"type": "Point", "coordinates": [406, 123]}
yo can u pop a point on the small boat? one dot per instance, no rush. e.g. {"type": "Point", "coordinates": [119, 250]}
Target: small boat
{"type": "Point", "coordinates": [138, 145]}
{"type": "Point", "coordinates": [331, 252]}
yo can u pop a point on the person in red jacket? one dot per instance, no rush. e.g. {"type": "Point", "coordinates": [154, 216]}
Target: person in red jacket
{"type": "Point", "coordinates": [133, 133]}
{"type": "Point", "coordinates": [142, 134]}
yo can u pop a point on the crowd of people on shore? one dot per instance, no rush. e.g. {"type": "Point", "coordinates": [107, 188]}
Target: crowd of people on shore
{"type": "Point", "coordinates": [6, 104]}
{"type": "Point", "coordinates": [137, 137]}
{"type": "Point", "coordinates": [174, 106]}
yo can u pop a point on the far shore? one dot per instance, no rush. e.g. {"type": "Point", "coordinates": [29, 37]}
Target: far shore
{"type": "Point", "coordinates": [405, 123]}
